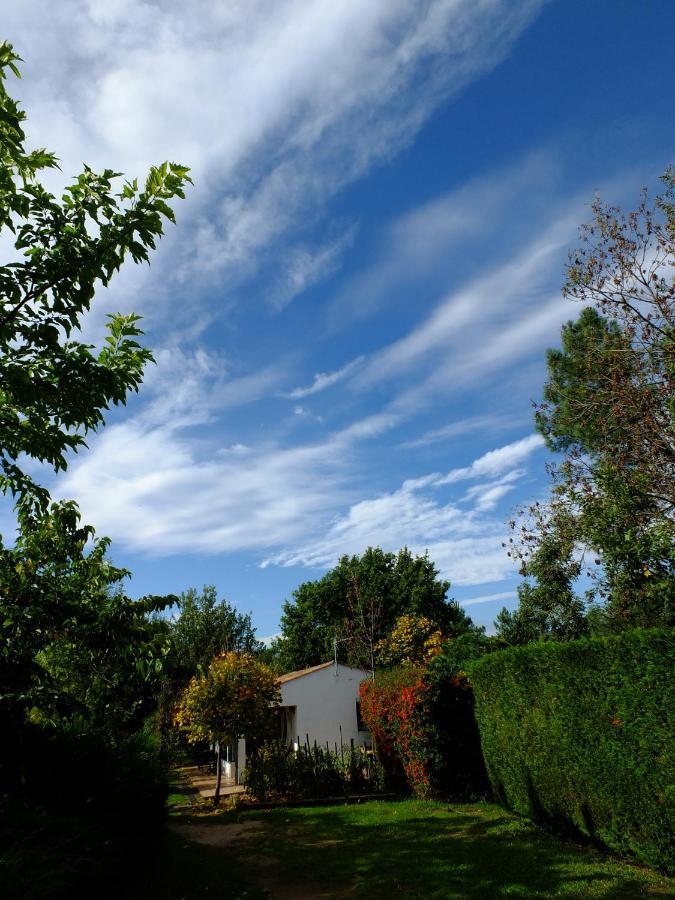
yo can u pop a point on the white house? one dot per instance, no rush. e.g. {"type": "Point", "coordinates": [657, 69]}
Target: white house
{"type": "Point", "coordinates": [321, 703]}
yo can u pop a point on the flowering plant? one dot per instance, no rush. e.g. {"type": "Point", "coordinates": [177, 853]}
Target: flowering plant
{"type": "Point", "coordinates": [422, 720]}
{"type": "Point", "coordinates": [395, 709]}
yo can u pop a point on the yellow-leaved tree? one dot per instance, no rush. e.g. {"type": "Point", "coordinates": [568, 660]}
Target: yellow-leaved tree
{"type": "Point", "coordinates": [236, 698]}
{"type": "Point", "coordinates": [413, 639]}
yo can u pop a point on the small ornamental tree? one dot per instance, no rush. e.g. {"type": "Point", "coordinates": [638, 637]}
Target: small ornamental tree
{"type": "Point", "coordinates": [236, 698]}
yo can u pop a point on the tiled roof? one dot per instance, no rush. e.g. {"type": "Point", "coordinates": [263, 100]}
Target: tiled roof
{"type": "Point", "coordinates": [289, 676]}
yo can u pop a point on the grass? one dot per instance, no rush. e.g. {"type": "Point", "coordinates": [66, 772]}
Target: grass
{"type": "Point", "coordinates": [181, 795]}
{"type": "Point", "coordinates": [378, 850]}
{"type": "Point", "coordinates": [44, 855]}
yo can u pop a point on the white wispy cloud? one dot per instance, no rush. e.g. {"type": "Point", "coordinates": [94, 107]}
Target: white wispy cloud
{"type": "Point", "coordinates": [464, 543]}
{"type": "Point", "coordinates": [304, 266]}
{"type": "Point", "coordinates": [486, 322]}
{"type": "Point", "coordinates": [487, 423]}
{"type": "Point", "coordinates": [494, 462]}
{"type": "Point", "coordinates": [158, 484]}
{"type": "Point", "coordinates": [489, 598]}
{"type": "Point", "coordinates": [391, 520]}
{"type": "Point", "coordinates": [275, 107]}
{"type": "Point", "coordinates": [430, 242]}
{"type": "Point", "coordinates": [323, 380]}
{"type": "Point", "coordinates": [486, 496]}
{"type": "Point", "coordinates": [193, 388]}
{"type": "Point", "coordinates": [154, 488]}
{"type": "Point", "coordinates": [154, 492]}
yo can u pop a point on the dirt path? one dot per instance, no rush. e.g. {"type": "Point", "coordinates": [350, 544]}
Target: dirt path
{"type": "Point", "coordinates": [268, 873]}
{"type": "Point", "coordinates": [205, 783]}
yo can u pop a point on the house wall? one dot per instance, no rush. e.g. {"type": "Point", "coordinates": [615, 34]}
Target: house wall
{"type": "Point", "coordinates": [234, 765]}
{"type": "Point", "coordinates": [324, 701]}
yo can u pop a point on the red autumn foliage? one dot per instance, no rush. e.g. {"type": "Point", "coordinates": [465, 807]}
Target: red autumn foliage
{"type": "Point", "coordinates": [395, 708]}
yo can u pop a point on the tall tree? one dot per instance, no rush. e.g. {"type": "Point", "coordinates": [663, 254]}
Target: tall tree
{"type": "Point", "coordinates": [60, 610]}
{"type": "Point", "coordinates": [207, 627]}
{"type": "Point", "coordinates": [611, 387]}
{"type": "Point", "coordinates": [547, 604]}
{"type": "Point", "coordinates": [357, 604]}
{"type": "Point", "coordinates": [609, 409]}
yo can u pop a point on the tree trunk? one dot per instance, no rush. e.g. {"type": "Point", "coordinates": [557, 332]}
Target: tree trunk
{"type": "Point", "coordinates": [219, 774]}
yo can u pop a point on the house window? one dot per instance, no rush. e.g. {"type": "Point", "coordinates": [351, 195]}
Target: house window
{"type": "Point", "coordinates": [359, 718]}
{"type": "Point", "coordinates": [286, 723]}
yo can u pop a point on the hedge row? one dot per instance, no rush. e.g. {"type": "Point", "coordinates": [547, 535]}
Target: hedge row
{"type": "Point", "coordinates": [582, 735]}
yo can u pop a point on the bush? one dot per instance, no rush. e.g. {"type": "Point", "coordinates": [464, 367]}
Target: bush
{"type": "Point", "coordinates": [277, 771]}
{"type": "Point", "coordinates": [423, 723]}
{"type": "Point", "coordinates": [580, 735]}
{"type": "Point", "coordinates": [81, 812]}
{"type": "Point", "coordinates": [87, 774]}
{"type": "Point", "coordinates": [394, 708]}
{"type": "Point", "coordinates": [47, 855]}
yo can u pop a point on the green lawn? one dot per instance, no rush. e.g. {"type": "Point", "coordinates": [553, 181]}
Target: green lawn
{"type": "Point", "coordinates": [385, 850]}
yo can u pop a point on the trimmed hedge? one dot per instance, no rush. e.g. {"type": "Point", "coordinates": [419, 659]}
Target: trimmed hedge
{"type": "Point", "coordinates": [582, 735]}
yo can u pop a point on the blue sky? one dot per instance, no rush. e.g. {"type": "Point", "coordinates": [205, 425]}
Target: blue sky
{"type": "Point", "coordinates": [350, 319]}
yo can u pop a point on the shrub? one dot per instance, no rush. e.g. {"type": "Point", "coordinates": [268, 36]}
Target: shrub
{"type": "Point", "coordinates": [395, 710]}
{"type": "Point", "coordinates": [423, 723]}
{"type": "Point", "coordinates": [87, 774]}
{"type": "Point", "coordinates": [580, 735]}
{"type": "Point", "coordinates": [277, 771]}
{"type": "Point", "coordinates": [78, 812]}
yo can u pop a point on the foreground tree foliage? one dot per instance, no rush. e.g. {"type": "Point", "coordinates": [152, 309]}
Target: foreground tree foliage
{"type": "Point", "coordinates": [235, 698]}
{"type": "Point", "coordinates": [73, 645]}
{"type": "Point", "coordinates": [357, 603]}
{"type": "Point", "coordinates": [60, 606]}
{"type": "Point", "coordinates": [78, 659]}
{"type": "Point", "coordinates": [609, 409]}
{"type": "Point", "coordinates": [54, 388]}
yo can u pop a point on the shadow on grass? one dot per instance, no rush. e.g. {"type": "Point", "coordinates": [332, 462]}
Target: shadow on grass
{"type": "Point", "coordinates": [413, 850]}
{"type": "Point", "coordinates": [185, 870]}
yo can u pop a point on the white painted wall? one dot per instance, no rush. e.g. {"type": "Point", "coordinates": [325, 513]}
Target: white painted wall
{"type": "Point", "coordinates": [324, 701]}
{"type": "Point", "coordinates": [233, 767]}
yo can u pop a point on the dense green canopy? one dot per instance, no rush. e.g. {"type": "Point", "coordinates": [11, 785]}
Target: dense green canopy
{"type": "Point", "coordinates": [357, 604]}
